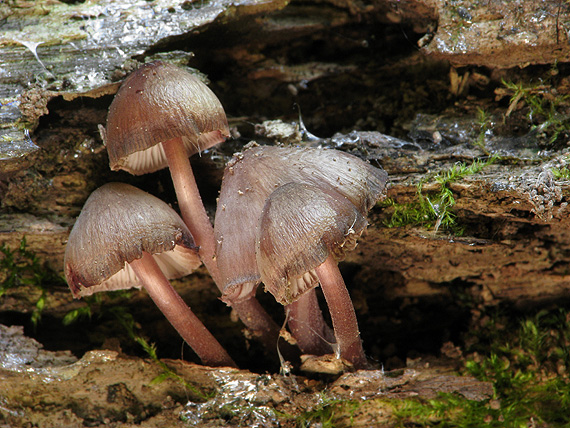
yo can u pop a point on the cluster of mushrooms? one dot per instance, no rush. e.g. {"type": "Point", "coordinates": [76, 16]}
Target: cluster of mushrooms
{"type": "Point", "coordinates": [297, 211]}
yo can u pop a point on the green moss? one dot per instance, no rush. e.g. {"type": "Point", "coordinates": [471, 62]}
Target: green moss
{"type": "Point", "coordinates": [328, 413]}
{"type": "Point", "coordinates": [561, 173]}
{"type": "Point", "coordinates": [484, 123]}
{"type": "Point", "coordinates": [527, 361]}
{"type": "Point", "coordinates": [528, 369]}
{"type": "Point", "coordinates": [547, 110]}
{"type": "Point", "coordinates": [446, 410]}
{"type": "Point", "coordinates": [433, 210]}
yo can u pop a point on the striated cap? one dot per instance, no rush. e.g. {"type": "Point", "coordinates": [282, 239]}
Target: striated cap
{"type": "Point", "coordinates": [251, 176]}
{"type": "Point", "coordinates": [156, 103]}
{"type": "Point", "coordinates": [300, 226]}
{"type": "Point", "coordinates": [118, 222]}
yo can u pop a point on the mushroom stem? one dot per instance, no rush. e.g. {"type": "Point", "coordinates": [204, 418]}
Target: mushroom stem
{"type": "Point", "coordinates": [194, 215]}
{"type": "Point", "coordinates": [190, 201]}
{"type": "Point", "coordinates": [342, 313]}
{"type": "Point", "coordinates": [179, 314]}
{"type": "Point", "coordinates": [307, 325]}
{"type": "Point", "coordinates": [252, 314]}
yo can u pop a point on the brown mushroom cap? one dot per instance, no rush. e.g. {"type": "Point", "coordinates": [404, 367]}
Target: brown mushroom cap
{"type": "Point", "coordinates": [299, 227]}
{"type": "Point", "coordinates": [118, 222]}
{"type": "Point", "coordinates": [156, 103]}
{"type": "Point", "coordinates": [251, 177]}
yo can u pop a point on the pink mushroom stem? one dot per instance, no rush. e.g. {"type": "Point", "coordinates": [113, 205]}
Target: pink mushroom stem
{"type": "Point", "coordinates": [342, 313]}
{"type": "Point", "coordinates": [179, 314]}
{"type": "Point", "coordinates": [307, 325]}
{"type": "Point", "coordinates": [194, 215]}
{"type": "Point", "coordinates": [189, 200]}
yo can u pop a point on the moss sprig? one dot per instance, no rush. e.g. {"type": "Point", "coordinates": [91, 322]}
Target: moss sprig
{"type": "Point", "coordinates": [529, 370]}
{"type": "Point", "coordinates": [547, 111]}
{"type": "Point", "coordinates": [434, 210]}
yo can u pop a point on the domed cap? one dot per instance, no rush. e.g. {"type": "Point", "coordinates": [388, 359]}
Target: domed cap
{"type": "Point", "coordinates": [300, 226]}
{"type": "Point", "coordinates": [156, 103]}
{"type": "Point", "coordinates": [118, 222]}
{"type": "Point", "coordinates": [250, 178]}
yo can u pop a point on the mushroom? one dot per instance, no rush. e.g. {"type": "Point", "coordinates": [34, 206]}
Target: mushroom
{"type": "Point", "coordinates": [304, 231]}
{"type": "Point", "coordinates": [249, 179]}
{"type": "Point", "coordinates": [125, 237]}
{"type": "Point", "coordinates": [160, 116]}
{"type": "Point", "coordinates": [251, 176]}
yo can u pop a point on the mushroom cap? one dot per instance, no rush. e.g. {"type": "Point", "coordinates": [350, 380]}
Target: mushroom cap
{"type": "Point", "coordinates": [118, 222]}
{"type": "Point", "coordinates": [300, 226]}
{"type": "Point", "coordinates": [156, 103]}
{"type": "Point", "coordinates": [249, 179]}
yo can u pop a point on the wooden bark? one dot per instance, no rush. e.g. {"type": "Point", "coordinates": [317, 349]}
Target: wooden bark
{"type": "Point", "coordinates": [103, 386]}
{"type": "Point", "coordinates": [499, 34]}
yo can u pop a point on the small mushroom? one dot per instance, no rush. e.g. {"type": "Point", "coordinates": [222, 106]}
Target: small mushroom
{"type": "Point", "coordinates": [304, 231]}
{"type": "Point", "coordinates": [161, 116]}
{"type": "Point", "coordinates": [251, 176]}
{"type": "Point", "coordinates": [125, 238]}
{"type": "Point", "coordinates": [249, 179]}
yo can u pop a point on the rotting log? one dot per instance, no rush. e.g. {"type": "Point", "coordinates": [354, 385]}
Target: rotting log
{"type": "Point", "coordinates": [106, 387]}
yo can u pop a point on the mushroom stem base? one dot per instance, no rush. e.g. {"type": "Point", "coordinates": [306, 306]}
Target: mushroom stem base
{"type": "Point", "coordinates": [179, 314]}
{"type": "Point", "coordinates": [342, 313]}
